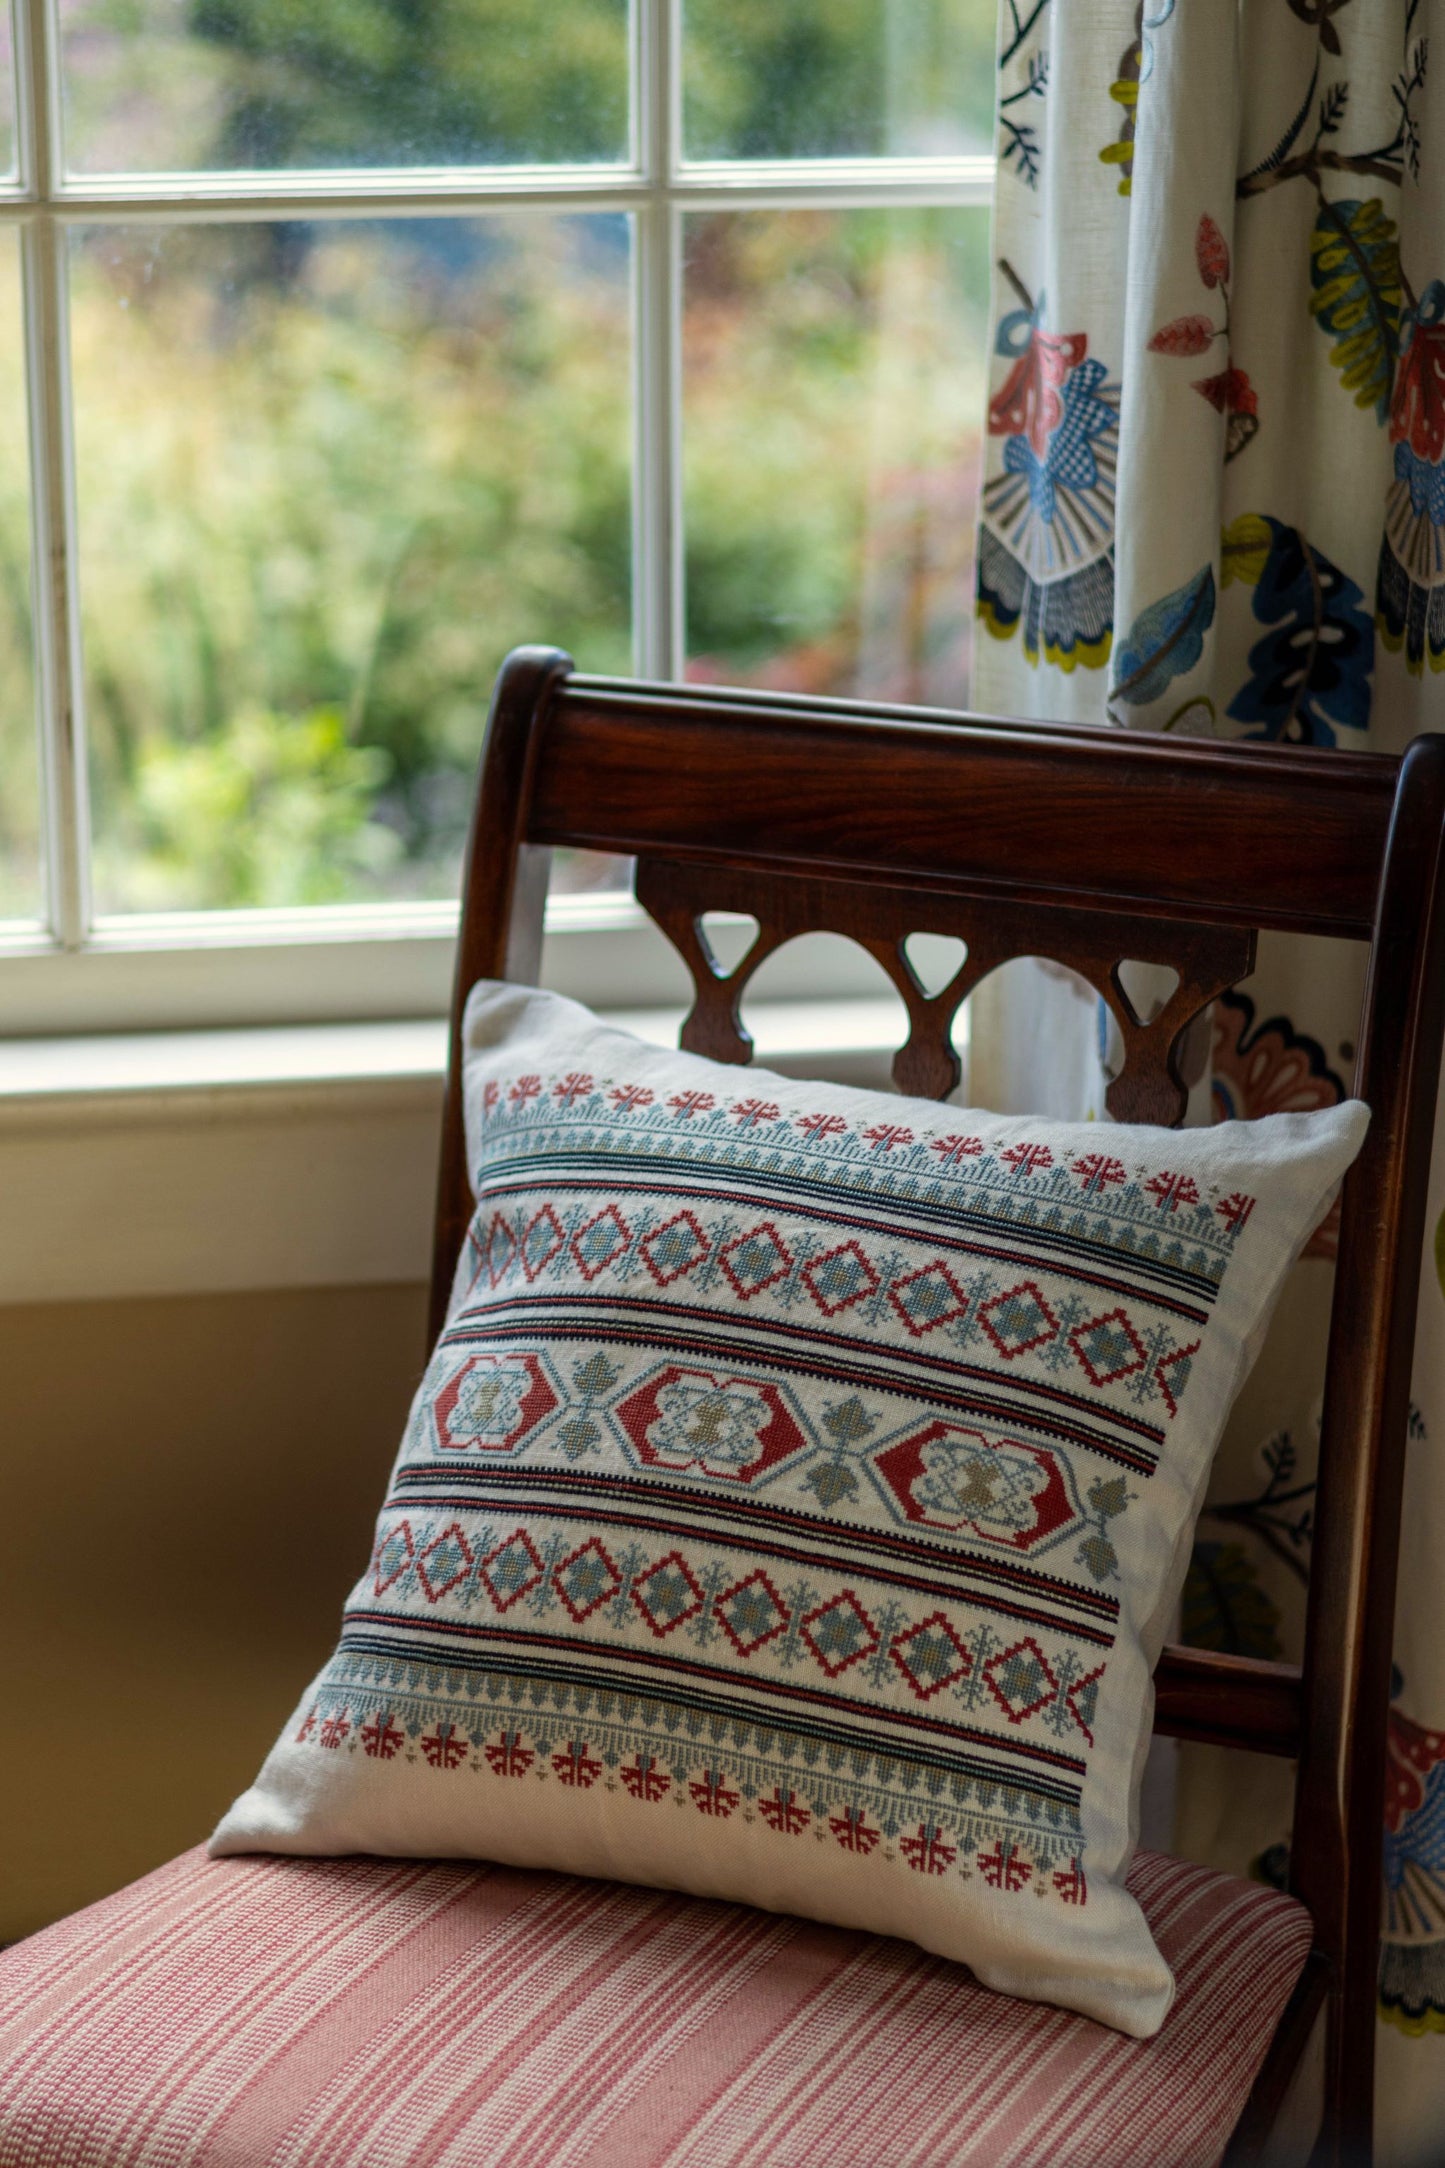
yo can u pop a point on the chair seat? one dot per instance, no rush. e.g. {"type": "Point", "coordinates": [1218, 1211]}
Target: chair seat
{"type": "Point", "coordinates": [367, 2013]}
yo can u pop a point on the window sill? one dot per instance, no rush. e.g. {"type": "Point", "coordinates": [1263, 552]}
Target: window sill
{"type": "Point", "coordinates": [172, 1163]}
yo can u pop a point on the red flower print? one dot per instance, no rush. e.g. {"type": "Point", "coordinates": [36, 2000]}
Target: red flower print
{"type": "Point", "coordinates": [1070, 1884]}
{"type": "Point", "coordinates": [508, 1756]}
{"type": "Point", "coordinates": [491, 1093]}
{"type": "Point", "coordinates": [1234, 1210]}
{"type": "Point", "coordinates": [926, 1851]}
{"type": "Point", "coordinates": [1417, 407]}
{"type": "Point", "coordinates": [380, 1738]}
{"type": "Point", "coordinates": [951, 1149]}
{"type": "Point", "coordinates": [818, 1126]}
{"type": "Point", "coordinates": [1004, 1867]}
{"type": "Point", "coordinates": [885, 1135]}
{"type": "Point", "coordinates": [1030, 403]}
{"type": "Point", "coordinates": [747, 1113]}
{"type": "Point", "coordinates": [628, 1096]}
{"type": "Point", "coordinates": [576, 1085]}
{"type": "Point", "coordinates": [1169, 1191]}
{"type": "Point", "coordinates": [645, 1780]}
{"type": "Point", "coordinates": [1024, 1158]}
{"type": "Point", "coordinates": [685, 1104]}
{"type": "Point", "coordinates": [854, 1831]}
{"type": "Point", "coordinates": [442, 1747]}
{"type": "Point", "coordinates": [1097, 1171]}
{"type": "Point", "coordinates": [574, 1765]}
{"type": "Point", "coordinates": [711, 1794]}
{"type": "Point", "coordinates": [525, 1088]}
{"type": "Point", "coordinates": [785, 1812]}
{"type": "Point", "coordinates": [307, 1728]}
{"type": "Point", "coordinates": [334, 1728]}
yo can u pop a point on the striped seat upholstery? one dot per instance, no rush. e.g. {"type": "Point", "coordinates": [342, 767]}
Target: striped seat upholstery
{"type": "Point", "coordinates": [362, 2013]}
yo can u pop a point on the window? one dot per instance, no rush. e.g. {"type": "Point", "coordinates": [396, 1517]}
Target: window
{"type": "Point", "coordinates": [343, 347]}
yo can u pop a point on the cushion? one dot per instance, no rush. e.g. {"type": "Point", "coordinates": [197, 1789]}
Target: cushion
{"type": "Point", "coordinates": [368, 2013]}
{"type": "Point", "coordinates": [794, 1504]}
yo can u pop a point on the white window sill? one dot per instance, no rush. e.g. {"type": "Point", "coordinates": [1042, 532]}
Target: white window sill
{"type": "Point", "coordinates": [169, 1163]}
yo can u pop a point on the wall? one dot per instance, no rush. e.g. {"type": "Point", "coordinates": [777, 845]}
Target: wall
{"type": "Point", "coordinates": [190, 1488]}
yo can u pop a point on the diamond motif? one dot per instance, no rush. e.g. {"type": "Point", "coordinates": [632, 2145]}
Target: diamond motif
{"type": "Point", "coordinates": [839, 1633]}
{"type": "Point", "coordinates": [928, 1298]}
{"type": "Point", "coordinates": [1108, 1347]}
{"type": "Point", "coordinates": [1020, 1680]}
{"type": "Point", "coordinates": [667, 1595]}
{"type": "Point", "coordinates": [931, 1656]}
{"type": "Point", "coordinates": [755, 1260]}
{"type": "Point", "coordinates": [587, 1579]}
{"type": "Point", "coordinates": [1017, 1320]}
{"type": "Point", "coordinates": [839, 1278]}
{"type": "Point", "coordinates": [511, 1571]}
{"type": "Point", "coordinates": [601, 1242]}
{"type": "Point", "coordinates": [541, 1242]}
{"type": "Point", "coordinates": [751, 1612]}
{"type": "Point", "coordinates": [674, 1249]}
{"type": "Point", "coordinates": [447, 1559]}
{"type": "Point", "coordinates": [501, 1248]}
{"type": "Point", "coordinates": [393, 1556]}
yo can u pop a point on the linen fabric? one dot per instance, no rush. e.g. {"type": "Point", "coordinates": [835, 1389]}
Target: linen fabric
{"type": "Point", "coordinates": [1214, 502]}
{"type": "Point", "coordinates": [401, 2014]}
{"type": "Point", "coordinates": [794, 1503]}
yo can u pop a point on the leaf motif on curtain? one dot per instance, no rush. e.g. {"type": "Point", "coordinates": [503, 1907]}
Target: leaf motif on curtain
{"type": "Point", "coordinates": [1355, 273]}
{"type": "Point", "coordinates": [1164, 641]}
{"type": "Point", "coordinates": [1310, 676]}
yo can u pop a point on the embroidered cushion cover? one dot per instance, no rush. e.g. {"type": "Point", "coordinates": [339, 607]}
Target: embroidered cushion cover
{"type": "Point", "coordinates": [796, 1500]}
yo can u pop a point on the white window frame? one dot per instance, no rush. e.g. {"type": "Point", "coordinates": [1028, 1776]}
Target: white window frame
{"type": "Point", "coordinates": [82, 972]}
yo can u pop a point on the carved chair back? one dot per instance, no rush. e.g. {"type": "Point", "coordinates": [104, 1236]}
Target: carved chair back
{"type": "Point", "coordinates": [1090, 847]}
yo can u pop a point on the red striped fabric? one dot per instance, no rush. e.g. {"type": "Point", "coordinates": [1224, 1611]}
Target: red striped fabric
{"type": "Point", "coordinates": [361, 2013]}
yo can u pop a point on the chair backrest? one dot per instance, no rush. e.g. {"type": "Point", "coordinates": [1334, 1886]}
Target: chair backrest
{"type": "Point", "coordinates": [1091, 847]}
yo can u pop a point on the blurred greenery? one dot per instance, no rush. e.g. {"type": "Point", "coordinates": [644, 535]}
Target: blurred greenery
{"type": "Point", "coordinates": [282, 804]}
{"type": "Point", "coordinates": [329, 472]}
{"type": "Point", "coordinates": [837, 78]}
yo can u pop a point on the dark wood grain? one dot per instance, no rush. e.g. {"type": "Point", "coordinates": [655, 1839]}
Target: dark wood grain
{"type": "Point", "coordinates": [1230, 1701]}
{"type": "Point", "coordinates": [1150, 1086]}
{"type": "Point", "coordinates": [1089, 847]}
{"type": "Point", "coordinates": [504, 894]}
{"type": "Point", "coordinates": [1221, 834]}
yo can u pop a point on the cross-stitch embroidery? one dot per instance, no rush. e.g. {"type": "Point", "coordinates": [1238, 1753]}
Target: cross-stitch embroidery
{"type": "Point", "coordinates": [772, 1465]}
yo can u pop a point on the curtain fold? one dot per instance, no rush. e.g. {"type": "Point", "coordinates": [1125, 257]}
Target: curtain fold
{"type": "Point", "coordinates": [1214, 503]}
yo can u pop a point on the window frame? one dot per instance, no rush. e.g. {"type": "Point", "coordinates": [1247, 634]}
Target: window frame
{"type": "Point", "coordinates": [77, 970]}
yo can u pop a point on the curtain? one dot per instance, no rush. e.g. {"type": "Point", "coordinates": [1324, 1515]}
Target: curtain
{"type": "Point", "coordinates": [1214, 503]}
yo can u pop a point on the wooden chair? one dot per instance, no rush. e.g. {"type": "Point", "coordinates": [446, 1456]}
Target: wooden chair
{"type": "Point", "coordinates": [1091, 847]}
{"type": "Point", "coordinates": [1088, 846]}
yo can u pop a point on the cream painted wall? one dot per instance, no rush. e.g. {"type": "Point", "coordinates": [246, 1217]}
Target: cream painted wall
{"type": "Point", "coordinates": [188, 1493]}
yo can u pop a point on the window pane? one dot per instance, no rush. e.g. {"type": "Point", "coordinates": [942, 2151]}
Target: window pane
{"type": "Point", "coordinates": [837, 78]}
{"type": "Point", "coordinates": [7, 98]}
{"type": "Point", "coordinates": [833, 389]}
{"type": "Point", "coordinates": [171, 85]}
{"type": "Point", "coordinates": [327, 476]}
{"type": "Point", "coordinates": [20, 859]}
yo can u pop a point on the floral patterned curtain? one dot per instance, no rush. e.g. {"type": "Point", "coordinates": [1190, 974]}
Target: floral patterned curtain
{"type": "Point", "coordinates": [1214, 502]}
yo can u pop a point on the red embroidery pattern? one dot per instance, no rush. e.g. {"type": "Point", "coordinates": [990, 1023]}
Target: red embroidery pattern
{"type": "Point", "coordinates": [381, 1739]}
{"type": "Point", "coordinates": [446, 1749]}
{"type": "Point", "coordinates": [712, 1794]}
